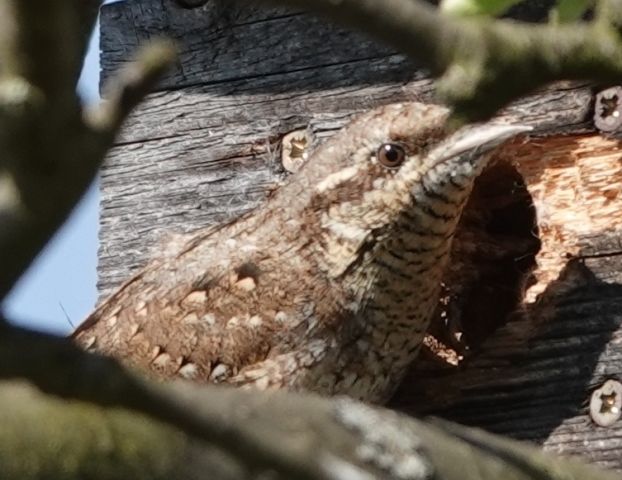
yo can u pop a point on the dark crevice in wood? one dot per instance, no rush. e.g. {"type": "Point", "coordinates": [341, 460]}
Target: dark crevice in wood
{"type": "Point", "coordinates": [250, 23]}
{"type": "Point", "coordinates": [141, 141]}
{"type": "Point", "coordinates": [510, 224]}
{"type": "Point", "coordinates": [492, 257]}
{"type": "Point", "coordinates": [250, 80]}
{"type": "Point", "coordinates": [535, 373]}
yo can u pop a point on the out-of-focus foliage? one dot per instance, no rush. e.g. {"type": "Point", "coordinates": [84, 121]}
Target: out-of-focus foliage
{"type": "Point", "coordinates": [466, 8]}
{"type": "Point", "coordinates": [564, 10]}
{"type": "Point", "coordinates": [570, 10]}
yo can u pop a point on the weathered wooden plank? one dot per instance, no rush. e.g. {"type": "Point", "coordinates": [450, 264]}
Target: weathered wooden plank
{"type": "Point", "coordinates": [204, 148]}
{"type": "Point", "coordinates": [251, 75]}
{"type": "Point", "coordinates": [224, 41]}
{"type": "Point", "coordinates": [194, 156]}
{"type": "Point", "coordinates": [242, 112]}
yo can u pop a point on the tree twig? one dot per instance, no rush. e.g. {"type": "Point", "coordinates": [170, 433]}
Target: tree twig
{"type": "Point", "coordinates": [129, 86]}
{"type": "Point", "coordinates": [51, 149]}
{"type": "Point", "coordinates": [483, 64]}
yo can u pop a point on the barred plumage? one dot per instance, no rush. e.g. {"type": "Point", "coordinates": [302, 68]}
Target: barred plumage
{"type": "Point", "coordinates": [330, 285]}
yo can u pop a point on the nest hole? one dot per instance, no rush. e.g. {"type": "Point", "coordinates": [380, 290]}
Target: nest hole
{"type": "Point", "coordinates": [493, 257]}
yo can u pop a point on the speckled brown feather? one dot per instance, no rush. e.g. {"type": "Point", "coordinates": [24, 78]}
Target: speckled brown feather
{"type": "Point", "coordinates": [328, 287]}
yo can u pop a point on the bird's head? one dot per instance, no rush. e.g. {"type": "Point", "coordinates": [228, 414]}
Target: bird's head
{"type": "Point", "coordinates": [395, 169]}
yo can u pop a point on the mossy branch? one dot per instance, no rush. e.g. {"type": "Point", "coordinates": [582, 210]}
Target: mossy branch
{"type": "Point", "coordinates": [303, 437]}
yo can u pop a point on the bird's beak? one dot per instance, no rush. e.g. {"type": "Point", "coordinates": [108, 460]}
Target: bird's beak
{"type": "Point", "coordinates": [473, 141]}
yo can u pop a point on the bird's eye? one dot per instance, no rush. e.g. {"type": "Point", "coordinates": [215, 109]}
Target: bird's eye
{"type": "Point", "coordinates": [391, 155]}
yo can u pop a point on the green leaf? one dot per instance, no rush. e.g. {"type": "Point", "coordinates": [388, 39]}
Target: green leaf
{"type": "Point", "coordinates": [570, 10]}
{"type": "Point", "coordinates": [464, 8]}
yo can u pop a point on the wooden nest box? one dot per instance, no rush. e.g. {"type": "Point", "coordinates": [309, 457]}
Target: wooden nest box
{"type": "Point", "coordinates": [529, 325]}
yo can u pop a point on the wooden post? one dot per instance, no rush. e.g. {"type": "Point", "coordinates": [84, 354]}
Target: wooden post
{"type": "Point", "coordinates": [542, 333]}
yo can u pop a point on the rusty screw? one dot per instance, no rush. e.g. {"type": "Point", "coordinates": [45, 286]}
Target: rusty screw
{"type": "Point", "coordinates": [606, 403]}
{"type": "Point", "coordinates": [608, 110]}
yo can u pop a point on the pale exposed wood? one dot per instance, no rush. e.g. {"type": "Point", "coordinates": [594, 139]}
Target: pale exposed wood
{"type": "Point", "coordinates": [576, 186]}
{"type": "Point", "coordinates": [203, 149]}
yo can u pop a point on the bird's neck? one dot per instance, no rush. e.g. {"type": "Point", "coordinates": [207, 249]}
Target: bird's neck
{"type": "Point", "coordinates": [396, 282]}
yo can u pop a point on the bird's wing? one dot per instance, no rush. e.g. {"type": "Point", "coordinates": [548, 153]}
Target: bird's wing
{"type": "Point", "coordinates": [201, 321]}
{"type": "Point", "coordinates": [182, 331]}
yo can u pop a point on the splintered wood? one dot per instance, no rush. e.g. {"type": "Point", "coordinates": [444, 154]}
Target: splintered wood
{"type": "Point", "coordinates": [542, 203]}
{"type": "Point", "coordinates": [536, 327]}
{"type": "Point", "coordinates": [575, 183]}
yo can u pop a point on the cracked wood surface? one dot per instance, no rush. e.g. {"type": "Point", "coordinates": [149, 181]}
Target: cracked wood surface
{"type": "Point", "coordinates": [204, 148]}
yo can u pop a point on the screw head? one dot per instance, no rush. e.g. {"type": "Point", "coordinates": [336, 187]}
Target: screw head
{"type": "Point", "coordinates": [294, 146]}
{"type": "Point", "coordinates": [608, 110]}
{"type": "Point", "coordinates": [606, 403]}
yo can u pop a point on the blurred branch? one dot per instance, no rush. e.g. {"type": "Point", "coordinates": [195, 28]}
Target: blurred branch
{"type": "Point", "coordinates": [482, 64]}
{"type": "Point", "coordinates": [304, 437]}
{"type": "Point", "coordinates": [51, 149]}
{"type": "Point", "coordinates": [44, 42]}
{"type": "Point", "coordinates": [76, 441]}
{"type": "Point", "coordinates": [60, 368]}
{"type": "Point", "coordinates": [130, 86]}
